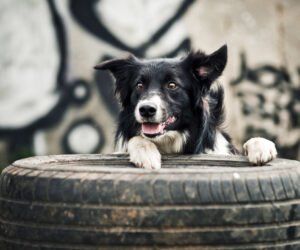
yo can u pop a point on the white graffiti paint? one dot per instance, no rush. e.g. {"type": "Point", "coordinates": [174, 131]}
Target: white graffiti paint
{"type": "Point", "coordinates": [29, 63]}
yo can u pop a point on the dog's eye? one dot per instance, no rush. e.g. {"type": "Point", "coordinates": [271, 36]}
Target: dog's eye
{"type": "Point", "coordinates": [139, 85]}
{"type": "Point", "coordinates": [172, 85]}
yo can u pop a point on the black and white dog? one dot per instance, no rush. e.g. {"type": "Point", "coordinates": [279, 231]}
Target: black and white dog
{"type": "Point", "coordinates": [170, 106]}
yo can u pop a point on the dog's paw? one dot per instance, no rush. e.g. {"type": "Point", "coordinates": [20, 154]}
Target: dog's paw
{"type": "Point", "coordinates": [144, 153]}
{"type": "Point", "coordinates": [260, 150]}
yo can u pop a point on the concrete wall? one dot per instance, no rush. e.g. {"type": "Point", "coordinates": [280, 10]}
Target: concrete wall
{"type": "Point", "coordinates": [52, 101]}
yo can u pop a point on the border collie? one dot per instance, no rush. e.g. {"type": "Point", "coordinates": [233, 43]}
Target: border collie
{"type": "Point", "coordinates": [170, 106]}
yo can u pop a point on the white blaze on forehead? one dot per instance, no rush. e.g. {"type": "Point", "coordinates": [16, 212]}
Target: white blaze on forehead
{"type": "Point", "coordinates": [153, 99]}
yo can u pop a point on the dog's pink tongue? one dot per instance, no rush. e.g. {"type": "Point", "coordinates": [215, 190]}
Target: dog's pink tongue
{"type": "Point", "coordinates": [150, 128]}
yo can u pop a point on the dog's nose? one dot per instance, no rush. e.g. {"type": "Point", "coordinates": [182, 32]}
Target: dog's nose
{"type": "Point", "coordinates": [147, 111]}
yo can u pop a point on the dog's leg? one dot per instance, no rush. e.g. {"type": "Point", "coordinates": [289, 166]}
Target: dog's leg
{"type": "Point", "coordinates": [260, 150]}
{"type": "Point", "coordinates": [143, 153]}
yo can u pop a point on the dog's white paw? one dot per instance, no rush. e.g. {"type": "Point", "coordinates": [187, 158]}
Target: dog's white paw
{"type": "Point", "coordinates": [143, 153]}
{"type": "Point", "coordinates": [260, 150]}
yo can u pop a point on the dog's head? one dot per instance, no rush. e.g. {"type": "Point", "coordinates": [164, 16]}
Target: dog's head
{"type": "Point", "coordinates": [162, 93]}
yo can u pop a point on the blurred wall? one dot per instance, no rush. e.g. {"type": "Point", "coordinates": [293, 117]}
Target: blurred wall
{"type": "Point", "coordinates": [52, 101]}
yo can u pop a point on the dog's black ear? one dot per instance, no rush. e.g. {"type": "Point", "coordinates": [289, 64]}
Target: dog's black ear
{"type": "Point", "coordinates": [117, 66]}
{"type": "Point", "coordinates": [122, 69]}
{"type": "Point", "coordinates": [207, 68]}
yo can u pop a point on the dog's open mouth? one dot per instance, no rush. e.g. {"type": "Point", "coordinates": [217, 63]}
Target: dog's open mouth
{"type": "Point", "coordinates": [154, 129]}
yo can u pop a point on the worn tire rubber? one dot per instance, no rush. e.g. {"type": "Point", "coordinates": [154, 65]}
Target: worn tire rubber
{"type": "Point", "coordinates": [103, 202]}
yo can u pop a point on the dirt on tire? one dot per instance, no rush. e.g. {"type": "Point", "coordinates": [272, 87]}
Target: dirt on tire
{"type": "Point", "coordinates": [194, 201]}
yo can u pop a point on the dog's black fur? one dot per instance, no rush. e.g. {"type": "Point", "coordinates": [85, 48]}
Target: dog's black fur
{"type": "Point", "coordinates": [198, 108]}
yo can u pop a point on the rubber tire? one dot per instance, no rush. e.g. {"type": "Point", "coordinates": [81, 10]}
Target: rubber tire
{"type": "Point", "coordinates": [102, 201]}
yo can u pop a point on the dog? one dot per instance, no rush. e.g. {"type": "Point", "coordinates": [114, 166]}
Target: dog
{"type": "Point", "coordinates": [174, 106]}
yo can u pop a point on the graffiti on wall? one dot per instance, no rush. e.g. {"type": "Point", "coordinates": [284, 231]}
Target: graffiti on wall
{"type": "Point", "coordinates": [269, 95]}
{"type": "Point", "coordinates": [48, 88]}
{"type": "Point", "coordinates": [84, 13]}
{"type": "Point", "coordinates": [52, 101]}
